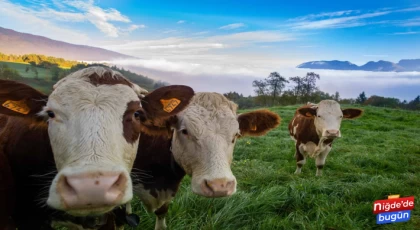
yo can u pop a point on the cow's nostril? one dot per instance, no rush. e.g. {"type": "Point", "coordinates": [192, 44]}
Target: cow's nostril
{"type": "Point", "coordinates": [68, 187]}
{"type": "Point", "coordinates": [206, 182]}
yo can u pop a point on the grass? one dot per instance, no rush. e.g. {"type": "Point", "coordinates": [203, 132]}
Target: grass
{"type": "Point", "coordinates": [43, 84]}
{"type": "Point", "coordinates": [21, 67]}
{"type": "Point", "coordinates": [378, 155]}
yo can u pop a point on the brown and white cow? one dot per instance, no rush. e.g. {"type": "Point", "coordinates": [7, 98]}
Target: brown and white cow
{"type": "Point", "coordinates": [88, 129]}
{"type": "Point", "coordinates": [314, 127]}
{"type": "Point", "coordinates": [200, 143]}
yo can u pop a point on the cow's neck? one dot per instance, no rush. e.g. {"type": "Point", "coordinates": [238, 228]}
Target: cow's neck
{"type": "Point", "coordinates": [155, 167]}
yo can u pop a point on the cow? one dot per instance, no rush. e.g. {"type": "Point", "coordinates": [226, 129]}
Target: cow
{"type": "Point", "coordinates": [88, 130]}
{"type": "Point", "coordinates": [199, 142]}
{"type": "Point", "coordinates": [314, 127]}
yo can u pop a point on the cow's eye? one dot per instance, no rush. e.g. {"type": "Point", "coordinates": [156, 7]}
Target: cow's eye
{"type": "Point", "coordinates": [50, 114]}
{"type": "Point", "coordinates": [341, 116]}
{"type": "Point", "coordinates": [318, 115]}
{"type": "Point", "coordinates": [137, 114]}
{"type": "Point", "coordinates": [184, 131]}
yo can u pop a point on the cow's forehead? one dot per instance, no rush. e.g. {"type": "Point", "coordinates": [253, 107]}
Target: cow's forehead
{"type": "Point", "coordinates": [97, 86]}
{"type": "Point", "coordinates": [329, 106]}
{"type": "Point", "coordinates": [210, 111]}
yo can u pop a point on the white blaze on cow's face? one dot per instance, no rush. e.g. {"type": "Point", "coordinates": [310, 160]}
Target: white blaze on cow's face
{"type": "Point", "coordinates": [88, 135]}
{"type": "Point", "coordinates": [327, 116]}
{"type": "Point", "coordinates": [328, 119]}
{"type": "Point", "coordinates": [204, 139]}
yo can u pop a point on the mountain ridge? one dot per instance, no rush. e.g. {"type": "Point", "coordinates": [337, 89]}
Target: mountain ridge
{"type": "Point", "coordinates": [18, 43]}
{"type": "Point", "coordinates": [404, 65]}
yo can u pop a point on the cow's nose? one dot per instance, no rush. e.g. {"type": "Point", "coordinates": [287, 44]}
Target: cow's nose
{"type": "Point", "coordinates": [218, 187]}
{"type": "Point", "coordinates": [92, 190]}
{"type": "Point", "coordinates": [333, 132]}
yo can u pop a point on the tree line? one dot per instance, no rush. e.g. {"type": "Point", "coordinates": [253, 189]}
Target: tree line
{"type": "Point", "coordinates": [278, 90]}
{"type": "Point", "coordinates": [54, 66]}
{"type": "Point", "coordinates": [38, 59]}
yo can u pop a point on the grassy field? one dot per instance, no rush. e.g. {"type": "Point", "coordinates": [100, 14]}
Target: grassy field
{"type": "Point", "coordinates": [29, 77]}
{"type": "Point", "coordinates": [378, 155]}
{"type": "Point", "coordinates": [21, 67]}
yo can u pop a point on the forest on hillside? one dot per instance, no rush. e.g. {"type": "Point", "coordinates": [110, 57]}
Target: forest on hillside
{"type": "Point", "coordinates": [58, 68]}
{"type": "Point", "coordinates": [278, 90]}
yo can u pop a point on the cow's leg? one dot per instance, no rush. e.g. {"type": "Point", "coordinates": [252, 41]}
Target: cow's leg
{"type": "Point", "coordinates": [160, 217]}
{"type": "Point", "coordinates": [300, 159]}
{"type": "Point", "coordinates": [320, 161]}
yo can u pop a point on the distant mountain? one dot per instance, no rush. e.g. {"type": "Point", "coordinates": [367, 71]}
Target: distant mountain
{"type": "Point", "coordinates": [410, 64]}
{"type": "Point", "coordinates": [379, 66]}
{"type": "Point", "coordinates": [13, 42]}
{"type": "Point", "coordinates": [337, 65]}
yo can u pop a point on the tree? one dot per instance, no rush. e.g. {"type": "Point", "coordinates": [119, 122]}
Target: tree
{"type": "Point", "coordinates": [336, 96]}
{"type": "Point", "coordinates": [361, 99]}
{"type": "Point", "coordinates": [261, 90]}
{"type": "Point", "coordinates": [414, 104]}
{"type": "Point", "coordinates": [276, 82]}
{"type": "Point", "coordinates": [55, 72]}
{"type": "Point", "coordinates": [309, 84]}
{"type": "Point", "coordinates": [298, 89]}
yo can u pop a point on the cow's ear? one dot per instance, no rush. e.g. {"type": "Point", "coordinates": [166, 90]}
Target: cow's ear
{"type": "Point", "coordinates": [165, 102]}
{"type": "Point", "coordinates": [257, 123]}
{"type": "Point", "coordinates": [352, 113]}
{"type": "Point", "coordinates": [307, 112]}
{"type": "Point", "coordinates": [17, 99]}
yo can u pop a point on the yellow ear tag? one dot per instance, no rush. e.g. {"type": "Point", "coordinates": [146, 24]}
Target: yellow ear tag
{"type": "Point", "coordinates": [17, 106]}
{"type": "Point", "coordinates": [170, 104]}
{"type": "Point", "coordinates": [254, 128]}
{"type": "Point", "coordinates": [393, 196]}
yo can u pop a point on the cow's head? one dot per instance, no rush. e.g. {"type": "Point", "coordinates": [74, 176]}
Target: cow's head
{"type": "Point", "coordinates": [94, 120]}
{"type": "Point", "coordinates": [205, 135]}
{"type": "Point", "coordinates": [327, 116]}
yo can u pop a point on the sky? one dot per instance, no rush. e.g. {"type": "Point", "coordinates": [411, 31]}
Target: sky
{"type": "Point", "coordinates": [223, 46]}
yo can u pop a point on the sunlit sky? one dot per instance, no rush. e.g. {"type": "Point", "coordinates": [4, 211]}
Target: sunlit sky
{"type": "Point", "coordinates": [223, 45]}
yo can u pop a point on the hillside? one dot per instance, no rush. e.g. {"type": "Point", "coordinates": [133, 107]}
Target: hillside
{"type": "Point", "coordinates": [13, 42]}
{"type": "Point", "coordinates": [378, 155]}
{"type": "Point", "coordinates": [43, 78]}
{"type": "Point", "coordinates": [403, 65]}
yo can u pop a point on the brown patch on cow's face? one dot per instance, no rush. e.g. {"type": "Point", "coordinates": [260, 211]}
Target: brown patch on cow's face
{"type": "Point", "coordinates": [108, 79]}
{"type": "Point", "coordinates": [131, 121]}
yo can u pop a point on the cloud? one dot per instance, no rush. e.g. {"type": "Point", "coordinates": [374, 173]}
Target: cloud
{"type": "Point", "coordinates": [406, 33]}
{"type": "Point", "coordinates": [218, 76]}
{"type": "Point", "coordinates": [201, 33]}
{"type": "Point", "coordinates": [77, 12]}
{"type": "Point", "coordinates": [24, 19]}
{"type": "Point", "coordinates": [323, 15]}
{"type": "Point", "coordinates": [307, 46]}
{"type": "Point", "coordinates": [410, 22]}
{"type": "Point", "coordinates": [169, 31]}
{"type": "Point", "coordinates": [350, 18]}
{"type": "Point", "coordinates": [375, 55]}
{"type": "Point", "coordinates": [176, 46]}
{"type": "Point", "coordinates": [232, 26]}
{"type": "Point", "coordinates": [340, 22]}
{"type": "Point", "coordinates": [180, 22]}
